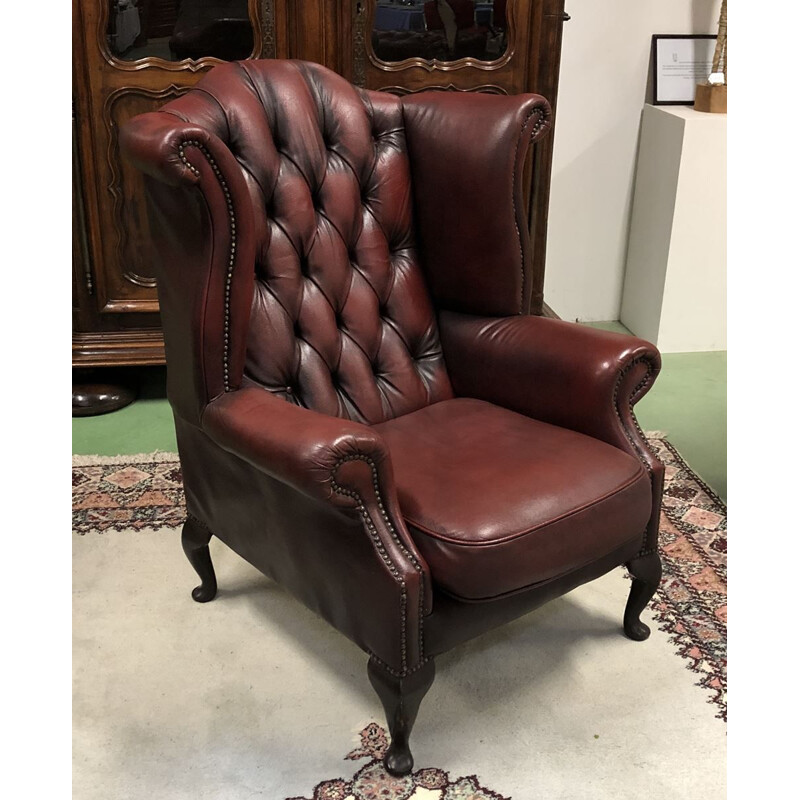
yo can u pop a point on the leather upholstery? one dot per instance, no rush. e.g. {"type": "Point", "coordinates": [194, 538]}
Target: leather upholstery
{"type": "Point", "coordinates": [340, 272]}
{"type": "Point", "coordinates": [566, 499]}
{"type": "Point", "coordinates": [341, 320]}
{"type": "Point", "coordinates": [356, 567]}
{"type": "Point", "coordinates": [580, 378]}
{"type": "Point", "coordinates": [473, 147]}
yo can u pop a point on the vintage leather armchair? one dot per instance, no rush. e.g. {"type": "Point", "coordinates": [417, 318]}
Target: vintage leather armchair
{"type": "Point", "coordinates": [365, 411]}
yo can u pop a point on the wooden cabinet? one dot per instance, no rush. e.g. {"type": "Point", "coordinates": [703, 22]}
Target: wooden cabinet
{"type": "Point", "coordinates": [129, 59]}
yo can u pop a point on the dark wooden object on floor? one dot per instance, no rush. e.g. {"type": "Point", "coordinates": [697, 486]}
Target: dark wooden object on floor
{"type": "Point", "coordinates": [116, 320]}
{"type": "Point", "coordinates": [91, 399]}
{"type": "Point", "coordinates": [100, 391]}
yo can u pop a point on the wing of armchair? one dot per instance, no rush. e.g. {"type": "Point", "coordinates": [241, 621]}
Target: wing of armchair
{"type": "Point", "coordinates": [364, 410]}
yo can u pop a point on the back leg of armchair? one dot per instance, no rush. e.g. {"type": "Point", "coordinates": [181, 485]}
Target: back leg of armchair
{"type": "Point", "coordinates": [401, 698]}
{"type": "Point", "coordinates": [195, 539]}
{"type": "Point", "coordinates": [646, 571]}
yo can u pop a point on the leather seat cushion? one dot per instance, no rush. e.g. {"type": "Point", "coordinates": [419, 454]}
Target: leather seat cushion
{"type": "Point", "coordinates": [498, 502]}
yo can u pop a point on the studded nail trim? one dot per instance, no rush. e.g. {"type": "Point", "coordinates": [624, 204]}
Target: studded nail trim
{"type": "Point", "coordinates": [540, 123]}
{"type": "Point", "coordinates": [232, 254]}
{"type": "Point", "coordinates": [375, 536]}
{"type": "Point", "coordinates": [637, 446]}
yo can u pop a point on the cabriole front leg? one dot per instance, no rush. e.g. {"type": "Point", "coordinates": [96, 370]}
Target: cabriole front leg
{"type": "Point", "coordinates": [195, 539]}
{"type": "Point", "coordinates": [646, 572]}
{"type": "Point", "coordinates": [401, 698]}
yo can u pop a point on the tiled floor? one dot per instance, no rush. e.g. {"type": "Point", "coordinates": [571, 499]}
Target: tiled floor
{"type": "Point", "coordinates": [688, 403]}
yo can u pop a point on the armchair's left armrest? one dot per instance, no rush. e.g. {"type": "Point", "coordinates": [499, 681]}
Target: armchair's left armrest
{"type": "Point", "coordinates": [559, 372]}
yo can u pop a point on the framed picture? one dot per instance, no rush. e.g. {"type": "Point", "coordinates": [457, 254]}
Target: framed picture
{"type": "Point", "coordinates": [680, 62]}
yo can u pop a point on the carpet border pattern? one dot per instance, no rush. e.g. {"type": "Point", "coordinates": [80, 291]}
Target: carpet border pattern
{"type": "Point", "coordinates": [690, 605]}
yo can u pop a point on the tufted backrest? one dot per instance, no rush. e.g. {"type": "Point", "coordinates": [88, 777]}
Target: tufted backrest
{"type": "Point", "coordinates": [341, 318]}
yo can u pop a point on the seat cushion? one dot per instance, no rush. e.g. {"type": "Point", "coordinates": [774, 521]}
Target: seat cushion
{"type": "Point", "coordinates": [497, 502]}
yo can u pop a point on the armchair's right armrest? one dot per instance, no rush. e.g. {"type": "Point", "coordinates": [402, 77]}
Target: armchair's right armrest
{"type": "Point", "coordinates": [302, 448]}
{"type": "Point", "coordinates": [333, 460]}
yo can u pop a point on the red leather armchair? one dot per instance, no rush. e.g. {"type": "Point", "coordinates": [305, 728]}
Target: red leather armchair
{"type": "Point", "coordinates": [365, 412]}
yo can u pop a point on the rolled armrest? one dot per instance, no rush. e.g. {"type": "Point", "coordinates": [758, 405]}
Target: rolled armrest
{"type": "Point", "coordinates": [154, 143]}
{"type": "Point", "coordinates": [467, 154]}
{"type": "Point", "coordinates": [334, 460]}
{"type": "Point", "coordinates": [297, 446]}
{"type": "Point", "coordinates": [562, 373]}
{"type": "Point", "coordinates": [558, 372]}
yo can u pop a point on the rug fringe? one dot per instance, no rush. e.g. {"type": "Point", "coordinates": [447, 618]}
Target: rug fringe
{"type": "Point", "coordinates": [157, 456]}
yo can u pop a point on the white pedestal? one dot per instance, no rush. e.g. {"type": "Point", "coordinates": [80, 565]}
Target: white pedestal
{"type": "Point", "coordinates": [674, 291]}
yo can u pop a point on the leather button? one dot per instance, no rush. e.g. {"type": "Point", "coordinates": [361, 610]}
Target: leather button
{"type": "Point", "coordinates": [289, 390]}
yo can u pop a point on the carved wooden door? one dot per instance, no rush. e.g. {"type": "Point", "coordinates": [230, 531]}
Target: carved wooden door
{"type": "Point", "coordinates": [131, 58]}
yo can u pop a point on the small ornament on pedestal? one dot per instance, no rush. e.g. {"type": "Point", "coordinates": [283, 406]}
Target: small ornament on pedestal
{"type": "Point", "coordinates": [713, 94]}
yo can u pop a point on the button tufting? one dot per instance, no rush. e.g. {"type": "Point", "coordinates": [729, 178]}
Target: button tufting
{"type": "Point", "coordinates": [346, 360]}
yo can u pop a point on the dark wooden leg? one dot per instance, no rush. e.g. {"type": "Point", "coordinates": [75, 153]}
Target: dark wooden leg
{"type": "Point", "coordinates": [646, 571]}
{"type": "Point", "coordinates": [401, 698]}
{"type": "Point", "coordinates": [195, 539]}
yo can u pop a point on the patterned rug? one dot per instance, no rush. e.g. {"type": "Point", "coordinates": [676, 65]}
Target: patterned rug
{"type": "Point", "coordinates": [145, 492]}
{"type": "Point", "coordinates": [372, 782]}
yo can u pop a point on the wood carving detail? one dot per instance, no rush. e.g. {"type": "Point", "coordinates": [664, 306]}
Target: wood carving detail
{"type": "Point", "coordinates": [359, 45]}
{"type": "Point", "coordinates": [124, 222]}
{"type": "Point", "coordinates": [486, 88]}
{"type": "Point", "coordinates": [267, 22]}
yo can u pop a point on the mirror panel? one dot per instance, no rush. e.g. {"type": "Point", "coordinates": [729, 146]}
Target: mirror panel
{"type": "Point", "coordinates": [439, 30]}
{"type": "Point", "coordinates": [178, 29]}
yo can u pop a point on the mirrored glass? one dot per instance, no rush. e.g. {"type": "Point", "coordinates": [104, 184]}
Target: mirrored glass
{"type": "Point", "coordinates": [178, 29]}
{"type": "Point", "coordinates": [442, 30]}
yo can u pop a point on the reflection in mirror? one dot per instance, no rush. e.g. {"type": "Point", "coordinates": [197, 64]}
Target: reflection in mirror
{"type": "Point", "coordinates": [178, 29]}
{"type": "Point", "coordinates": [444, 30]}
